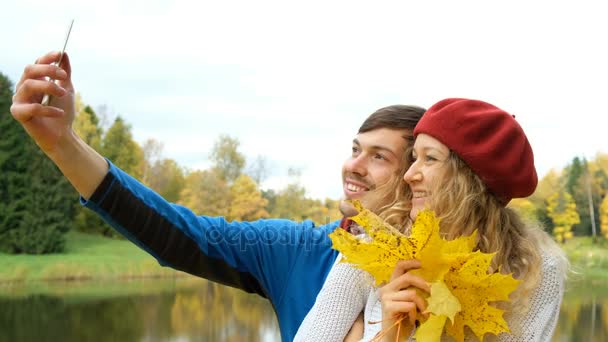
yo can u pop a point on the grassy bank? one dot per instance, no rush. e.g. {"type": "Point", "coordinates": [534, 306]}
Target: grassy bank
{"type": "Point", "coordinates": [95, 257]}
{"type": "Point", "coordinates": [589, 260]}
{"type": "Point", "coordinates": [86, 257]}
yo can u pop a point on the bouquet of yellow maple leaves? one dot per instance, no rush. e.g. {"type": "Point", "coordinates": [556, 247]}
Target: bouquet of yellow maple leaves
{"type": "Point", "coordinates": [461, 288]}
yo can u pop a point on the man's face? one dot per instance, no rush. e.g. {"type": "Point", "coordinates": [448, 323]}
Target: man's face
{"type": "Point", "coordinates": [376, 157]}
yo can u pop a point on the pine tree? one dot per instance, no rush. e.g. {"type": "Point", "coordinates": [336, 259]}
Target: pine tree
{"type": "Point", "coordinates": [584, 190]}
{"type": "Point", "coordinates": [13, 166]}
{"type": "Point", "coordinates": [35, 199]}
{"type": "Point", "coordinates": [574, 171]}
{"type": "Point", "coordinates": [49, 210]}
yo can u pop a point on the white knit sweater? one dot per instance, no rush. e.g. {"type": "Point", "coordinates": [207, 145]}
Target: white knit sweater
{"type": "Point", "coordinates": [348, 291]}
{"type": "Point", "coordinates": [341, 299]}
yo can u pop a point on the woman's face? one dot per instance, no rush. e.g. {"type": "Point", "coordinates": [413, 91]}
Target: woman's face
{"type": "Point", "coordinates": [427, 170]}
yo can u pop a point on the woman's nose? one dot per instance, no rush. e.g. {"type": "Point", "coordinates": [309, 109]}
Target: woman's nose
{"type": "Point", "coordinates": [413, 174]}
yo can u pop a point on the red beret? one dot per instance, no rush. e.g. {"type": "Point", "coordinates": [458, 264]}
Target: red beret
{"type": "Point", "coordinates": [489, 140]}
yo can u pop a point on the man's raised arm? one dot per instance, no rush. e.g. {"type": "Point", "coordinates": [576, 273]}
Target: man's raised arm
{"type": "Point", "coordinates": [51, 126]}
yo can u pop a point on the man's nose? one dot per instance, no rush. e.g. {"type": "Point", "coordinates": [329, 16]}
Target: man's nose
{"type": "Point", "coordinates": [358, 165]}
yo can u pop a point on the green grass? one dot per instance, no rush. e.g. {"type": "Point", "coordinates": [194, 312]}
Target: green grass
{"type": "Point", "coordinates": [86, 257]}
{"type": "Point", "coordinates": [589, 260]}
{"type": "Point", "coordinates": [91, 257]}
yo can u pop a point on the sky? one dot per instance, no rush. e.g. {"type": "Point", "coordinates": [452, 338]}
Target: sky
{"type": "Point", "coordinates": [293, 80]}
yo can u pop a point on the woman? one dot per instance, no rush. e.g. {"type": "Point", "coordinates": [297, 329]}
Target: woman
{"type": "Point", "coordinates": [469, 160]}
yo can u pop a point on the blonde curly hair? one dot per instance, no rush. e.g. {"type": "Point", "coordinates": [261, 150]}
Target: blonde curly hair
{"type": "Point", "coordinates": [464, 204]}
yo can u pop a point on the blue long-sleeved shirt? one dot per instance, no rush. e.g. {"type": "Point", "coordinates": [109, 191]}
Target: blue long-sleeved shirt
{"type": "Point", "coordinates": [284, 261]}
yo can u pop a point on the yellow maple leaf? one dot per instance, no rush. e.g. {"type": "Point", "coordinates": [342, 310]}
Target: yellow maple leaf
{"type": "Point", "coordinates": [432, 329]}
{"type": "Point", "coordinates": [378, 258]}
{"type": "Point", "coordinates": [475, 288]}
{"type": "Point", "coordinates": [463, 290]}
{"type": "Point", "coordinates": [442, 302]}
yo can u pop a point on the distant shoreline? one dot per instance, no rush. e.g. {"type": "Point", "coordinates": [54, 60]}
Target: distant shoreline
{"type": "Point", "coordinates": [97, 258]}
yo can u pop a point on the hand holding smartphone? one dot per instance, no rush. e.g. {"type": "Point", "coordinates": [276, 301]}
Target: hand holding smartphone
{"type": "Point", "coordinates": [47, 98]}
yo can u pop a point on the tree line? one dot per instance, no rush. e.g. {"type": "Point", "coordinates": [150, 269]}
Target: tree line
{"type": "Point", "coordinates": [572, 201]}
{"type": "Point", "coordinates": [37, 204]}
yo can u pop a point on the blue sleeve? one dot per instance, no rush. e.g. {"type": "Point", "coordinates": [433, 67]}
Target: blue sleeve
{"type": "Point", "coordinates": [256, 257]}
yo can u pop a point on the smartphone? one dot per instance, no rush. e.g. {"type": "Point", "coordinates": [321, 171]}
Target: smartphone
{"type": "Point", "coordinates": [47, 98]}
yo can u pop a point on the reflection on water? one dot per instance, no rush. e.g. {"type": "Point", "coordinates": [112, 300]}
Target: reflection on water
{"type": "Point", "coordinates": [584, 313]}
{"type": "Point", "coordinates": [196, 310]}
{"type": "Point", "coordinates": [178, 310]}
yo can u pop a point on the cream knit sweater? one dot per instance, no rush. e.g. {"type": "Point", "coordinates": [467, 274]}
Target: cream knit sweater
{"type": "Point", "coordinates": [348, 291]}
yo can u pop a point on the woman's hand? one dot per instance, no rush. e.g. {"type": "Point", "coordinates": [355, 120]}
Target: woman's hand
{"type": "Point", "coordinates": [399, 297]}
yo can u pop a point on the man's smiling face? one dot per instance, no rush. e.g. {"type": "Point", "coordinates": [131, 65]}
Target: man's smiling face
{"type": "Point", "coordinates": [376, 157]}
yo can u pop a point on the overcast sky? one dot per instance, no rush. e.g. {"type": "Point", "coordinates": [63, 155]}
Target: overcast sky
{"type": "Point", "coordinates": [294, 80]}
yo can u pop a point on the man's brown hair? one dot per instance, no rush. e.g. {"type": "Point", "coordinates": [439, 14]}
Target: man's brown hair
{"type": "Point", "coordinates": [395, 116]}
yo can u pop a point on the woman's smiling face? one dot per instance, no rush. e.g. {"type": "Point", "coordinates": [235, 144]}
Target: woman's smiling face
{"type": "Point", "coordinates": [427, 169]}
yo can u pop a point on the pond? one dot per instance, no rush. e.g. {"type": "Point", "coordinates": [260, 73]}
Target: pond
{"type": "Point", "coordinates": [188, 309]}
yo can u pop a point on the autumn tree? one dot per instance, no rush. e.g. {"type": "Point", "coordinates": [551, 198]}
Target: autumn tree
{"type": "Point", "coordinates": [546, 187]}
{"type": "Point", "coordinates": [162, 175]}
{"type": "Point", "coordinates": [334, 212]}
{"type": "Point", "coordinates": [167, 178]}
{"type": "Point", "coordinates": [290, 203]}
{"type": "Point", "coordinates": [259, 169]}
{"type": "Point", "coordinates": [270, 195]}
{"type": "Point", "coordinates": [586, 191]}
{"type": "Point", "coordinates": [524, 207]}
{"type": "Point", "coordinates": [562, 210]}
{"type": "Point", "coordinates": [152, 153]}
{"type": "Point", "coordinates": [120, 148]}
{"type": "Point", "coordinates": [604, 216]}
{"type": "Point", "coordinates": [227, 159]}
{"type": "Point", "coordinates": [87, 126]}
{"type": "Point", "coordinates": [599, 169]}
{"type": "Point", "coordinates": [322, 211]}
{"type": "Point", "coordinates": [206, 193]}
{"type": "Point", "coordinates": [247, 201]}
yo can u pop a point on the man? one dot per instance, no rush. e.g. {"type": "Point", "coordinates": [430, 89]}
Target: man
{"type": "Point", "coordinates": [282, 260]}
